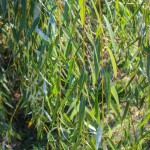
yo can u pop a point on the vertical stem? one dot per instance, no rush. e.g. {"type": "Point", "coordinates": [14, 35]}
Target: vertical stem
{"type": "Point", "coordinates": [83, 49]}
{"type": "Point", "coordinates": [83, 33]}
{"type": "Point", "coordinates": [102, 64]}
{"type": "Point", "coordinates": [147, 43]}
{"type": "Point", "coordinates": [59, 53]}
{"type": "Point", "coordinates": [59, 4]}
{"type": "Point", "coordinates": [102, 61]}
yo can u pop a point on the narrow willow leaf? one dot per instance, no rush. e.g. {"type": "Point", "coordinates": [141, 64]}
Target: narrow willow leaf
{"type": "Point", "coordinates": [142, 138]}
{"type": "Point", "coordinates": [7, 103]}
{"type": "Point", "coordinates": [52, 25]}
{"type": "Point", "coordinates": [96, 10]}
{"type": "Point", "coordinates": [71, 89]}
{"type": "Point", "coordinates": [45, 37]}
{"type": "Point", "coordinates": [47, 115]}
{"type": "Point", "coordinates": [110, 133]}
{"type": "Point", "coordinates": [113, 62]}
{"type": "Point", "coordinates": [111, 144]}
{"type": "Point", "coordinates": [40, 74]}
{"type": "Point", "coordinates": [67, 120]}
{"type": "Point", "coordinates": [92, 145]}
{"type": "Point", "coordinates": [37, 11]}
{"type": "Point", "coordinates": [130, 80]}
{"type": "Point", "coordinates": [44, 87]}
{"type": "Point", "coordinates": [97, 57]}
{"type": "Point", "coordinates": [126, 110]}
{"type": "Point", "coordinates": [23, 22]}
{"type": "Point", "coordinates": [97, 113]}
{"type": "Point", "coordinates": [148, 66]}
{"type": "Point", "coordinates": [81, 114]}
{"type": "Point", "coordinates": [74, 23]}
{"type": "Point", "coordinates": [72, 105]}
{"type": "Point", "coordinates": [108, 7]}
{"type": "Point", "coordinates": [82, 11]}
{"type": "Point", "coordinates": [4, 6]}
{"type": "Point", "coordinates": [37, 52]}
{"type": "Point", "coordinates": [82, 81]}
{"type": "Point", "coordinates": [136, 11]}
{"type": "Point", "coordinates": [74, 111]}
{"type": "Point", "coordinates": [92, 72]}
{"type": "Point", "coordinates": [90, 126]}
{"type": "Point", "coordinates": [115, 94]}
{"type": "Point", "coordinates": [76, 145]}
{"type": "Point", "coordinates": [69, 48]}
{"type": "Point", "coordinates": [3, 84]}
{"type": "Point", "coordinates": [30, 31]}
{"type": "Point", "coordinates": [68, 94]}
{"type": "Point", "coordinates": [17, 135]}
{"type": "Point", "coordinates": [98, 137]}
{"type": "Point", "coordinates": [138, 38]}
{"type": "Point", "coordinates": [15, 34]}
{"type": "Point", "coordinates": [95, 68]}
{"type": "Point", "coordinates": [115, 109]}
{"type": "Point", "coordinates": [91, 114]}
{"type": "Point", "coordinates": [111, 34]}
{"type": "Point", "coordinates": [107, 86]}
{"type": "Point", "coordinates": [66, 12]}
{"type": "Point", "coordinates": [24, 18]}
{"type": "Point", "coordinates": [70, 64]}
{"type": "Point", "coordinates": [144, 121]}
{"type": "Point", "coordinates": [46, 81]}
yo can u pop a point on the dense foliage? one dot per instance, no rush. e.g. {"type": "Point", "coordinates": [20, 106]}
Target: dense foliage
{"type": "Point", "coordinates": [75, 74]}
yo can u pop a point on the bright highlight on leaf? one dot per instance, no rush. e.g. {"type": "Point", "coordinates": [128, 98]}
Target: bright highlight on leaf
{"type": "Point", "coordinates": [82, 11]}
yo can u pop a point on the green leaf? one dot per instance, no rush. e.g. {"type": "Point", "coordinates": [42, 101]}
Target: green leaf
{"type": "Point", "coordinates": [136, 11]}
{"type": "Point", "coordinates": [67, 120]}
{"type": "Point", "coordinates": [5, 86]}
{"type": "Point", "coordinates": [37, 11]}
{"type": "Point", "coordinates": [68, 94]}
{"type": "Point", "coordinates": [81, 114]}
{"type": "Point", "coordinates": [115, 94]}
{"type": "Point", "coordinates": [30, 31]}
{"type": "Point", "coordinates": [148, 66]}
{"type": "Point", "coordinates": [144, 121]}
{"type": "Point", "coordinates": [47, 115]}
{"type": "Point", "coordinates": [115, 109]}
{"type": "Point", "coordinates": [4, 6]}
{"type": "Point", "coordinates": [82, 11]}
{"type": "Point", "coordinates": [82, 81]}
{"type": "Point", "coordinates": [110, 132]}
{"type": "Point", "coordinates": [96, 10]}
{"type": "Point", "coordinates": [107, 87]}
{"type": "Point", "coordinates": [74, 111]}
{"type": "Point", "coordinates": [45, 37]}
{"type": "Point", "coordinates": [112, 61]}
{"type": "Point", "coordinates": [24, 13]}
{"type": "Point", "coordinates": [109, 9]}
{"type": "Point", "coordinates": [7, 102]}
{"type": "Point", "coordinates": [111, 144]}
{"type": "Point", "coordinates": [126, 110]}
{"type": "Point", "coordinates": [111, 34]}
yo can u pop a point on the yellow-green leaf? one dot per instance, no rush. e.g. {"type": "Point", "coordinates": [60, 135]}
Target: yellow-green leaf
{"type": "Point", "coordinates": [82, 11]}
{"type": "Point", "coordinates": [112, 61]}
